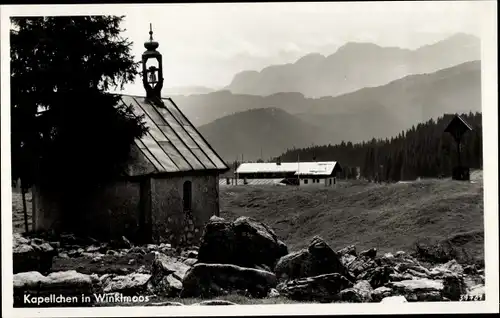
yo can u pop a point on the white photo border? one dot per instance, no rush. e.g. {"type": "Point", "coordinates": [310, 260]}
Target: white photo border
{"type": "Point", "coordinates": [489, 77]}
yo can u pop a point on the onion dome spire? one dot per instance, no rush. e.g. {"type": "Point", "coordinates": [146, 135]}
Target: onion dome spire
{"type": "Point", "coordinates": [151, 45]}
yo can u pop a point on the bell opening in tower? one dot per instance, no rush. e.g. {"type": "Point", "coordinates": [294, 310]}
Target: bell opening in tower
{"type": "Point", "coordinates": [152, 73]}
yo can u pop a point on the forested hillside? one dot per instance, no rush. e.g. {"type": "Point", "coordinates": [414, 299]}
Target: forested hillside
{"type": "Point", "coordinates": [261, 133]}
{"type": "Point", "coordinates": [421, 151]}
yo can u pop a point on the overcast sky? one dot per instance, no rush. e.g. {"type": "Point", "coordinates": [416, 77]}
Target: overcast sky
{"type": "Point", "coordinates": [206, 44]}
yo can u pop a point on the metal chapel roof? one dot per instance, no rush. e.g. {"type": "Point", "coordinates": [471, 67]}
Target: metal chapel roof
{"type": "Point", "coordinates": [172, 143]}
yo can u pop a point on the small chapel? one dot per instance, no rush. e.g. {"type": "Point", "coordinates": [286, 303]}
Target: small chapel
{"type": "Point", "coordinates": [170, 189]}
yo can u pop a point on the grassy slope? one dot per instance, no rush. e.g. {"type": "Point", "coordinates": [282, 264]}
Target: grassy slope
{"type": "Point", "coordinates": [389, 217]}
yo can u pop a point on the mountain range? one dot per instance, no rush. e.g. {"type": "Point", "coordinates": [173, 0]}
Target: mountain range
{"type": "Point", "coordinates": [360, 92]}
{"type": "Point", "coordinates": [244, 124]}
{"type": "Point", "coordinates": [187, 90]}
{"type": "Point", "coordinates": [354, 66]}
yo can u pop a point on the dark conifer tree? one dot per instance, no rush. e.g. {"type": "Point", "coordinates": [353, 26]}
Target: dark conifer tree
{"type": "Point", "coordinates": [64, 120]}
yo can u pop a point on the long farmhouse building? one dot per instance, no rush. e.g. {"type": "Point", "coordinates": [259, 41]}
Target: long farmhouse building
{"type": "Point", "coordinates": [285, 173]}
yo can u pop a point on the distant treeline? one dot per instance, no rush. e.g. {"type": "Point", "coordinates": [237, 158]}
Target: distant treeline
{"type": "Point", "coordinates": [422, 151]}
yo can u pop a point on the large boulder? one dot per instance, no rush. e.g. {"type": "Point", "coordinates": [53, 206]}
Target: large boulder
{"type": "Point", "coordinates": [415, 273]}
{"type": "Point", "coordinates": [405, 267]}
{"type": "Point", "coordinates": [244, 242]}
{"type": "Point", "coordinates": [361, 292]}
{"type": "Point", "coordinates": [414, 269]}
{"type": "Point", "coordinates": [66, 288]}
{"type": "Point", "coordinates": [418, 289]}
{"type": "Point", "coordinates": [273, 293]}
{"type": "Point", "coordinates": [210, 280]}
{"type": "Point", "coordinates": [128, 285]}
{"type": "Point", "coordinates": [471, 269]}
{"type": "Point", "coordinates": [31, 254]}
{"type": "Point", "coordinates": [167, 274]}
{"type": "Point", "coordinates": [453, 286]}
{"type": "Point", "coordinates": [380, 293]}
{"type": "Point", "coordinates": [321, 288]}
{"type": "Point", "coordinates": [167, 286]}
{"type": "Point", "coordinates": [396, 259]}
{"type": "Point", "coordinates": [397, 277]}
{"type": "Point", "coordinates": [315, 260]}
{"type": "Point", "coordinates": [347, 259]}
{"type": "Point", "coordinates": [348, 250]}
{"type": "Point", "coordinates": [371, 253]}
{"type": "Point", "coordinates": [190, 261]}
{"type": "Point", "coordinates": [258, 244]}
{"type": "Point", "coordinates": [451, 267]}
{"type": "Point", "coordinates": [378, 276]}
{"type": "Point", "coordinates": [218, 244]}
{"type": "Point", "coordinates": [360, 265]}
{"type": "Point", "coordinates": [164, 263]}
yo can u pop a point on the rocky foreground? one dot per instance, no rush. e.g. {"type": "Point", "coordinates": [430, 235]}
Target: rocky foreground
{"type": "Point", "coordinates": [243, 257]}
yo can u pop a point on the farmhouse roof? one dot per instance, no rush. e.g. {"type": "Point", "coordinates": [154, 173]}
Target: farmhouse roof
{"type": "Point", "coordinates": [324, 168]}
{"type": "Point", "coordinates": [172, 143]}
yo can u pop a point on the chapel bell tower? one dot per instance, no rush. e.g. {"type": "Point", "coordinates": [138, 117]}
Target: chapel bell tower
{"type": "Point", "coordinates": [152, 68]}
